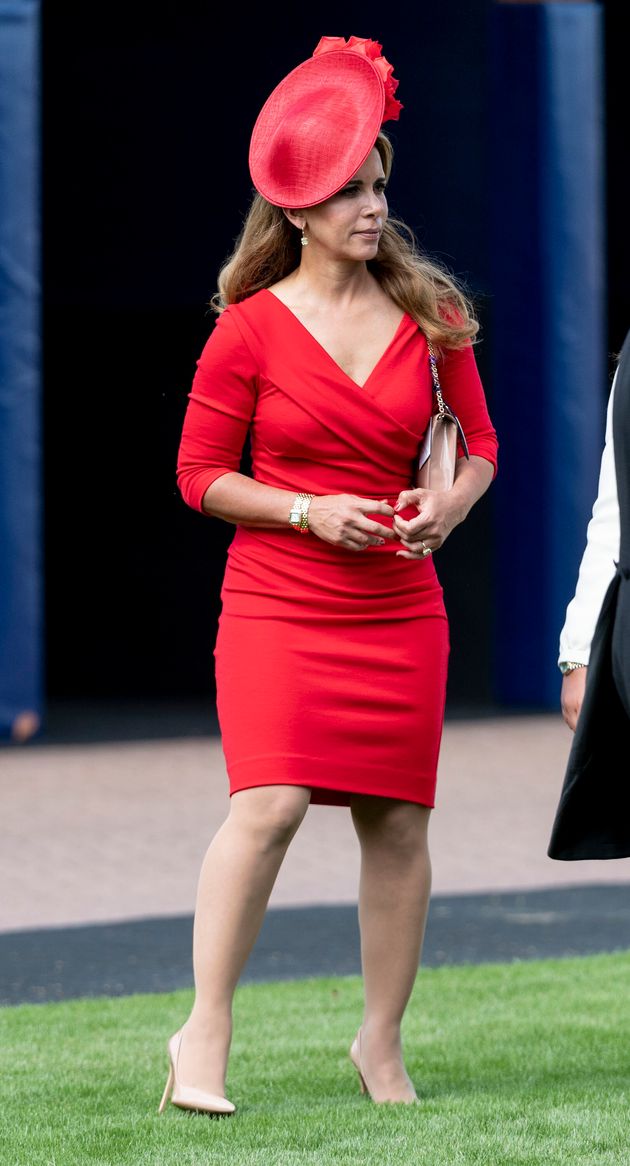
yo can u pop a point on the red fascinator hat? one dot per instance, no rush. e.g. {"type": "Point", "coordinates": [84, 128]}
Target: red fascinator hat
{"type": "Point", "coordinates": [318, 126]}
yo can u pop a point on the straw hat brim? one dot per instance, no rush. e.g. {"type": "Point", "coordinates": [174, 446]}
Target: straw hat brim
{"type": "Point", "coordinates": [316, 129]}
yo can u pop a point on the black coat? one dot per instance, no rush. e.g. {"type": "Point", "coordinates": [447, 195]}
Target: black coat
{"type": "Point", "coordinates": [593, 816]}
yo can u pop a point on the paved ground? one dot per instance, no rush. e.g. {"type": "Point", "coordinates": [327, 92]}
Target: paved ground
{"type": "Point", "coordinates": [153, 955]}
{"type": "Point", "coordinates": [113, 833]}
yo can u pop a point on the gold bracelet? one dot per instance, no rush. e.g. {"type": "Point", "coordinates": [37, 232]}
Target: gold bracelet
{"type": "Point", "coordinates": [298, 516]}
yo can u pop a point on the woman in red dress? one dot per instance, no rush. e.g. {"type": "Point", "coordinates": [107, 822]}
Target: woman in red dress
{"type": "Point", "coordinates": [332, 648]}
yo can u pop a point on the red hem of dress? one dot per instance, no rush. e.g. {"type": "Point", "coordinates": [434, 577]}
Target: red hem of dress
{"type": "Point", "coordinates": [276, 770]}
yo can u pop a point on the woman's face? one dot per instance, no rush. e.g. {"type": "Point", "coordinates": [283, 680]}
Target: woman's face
{"type": "Point", "coordinates": [349, 225]}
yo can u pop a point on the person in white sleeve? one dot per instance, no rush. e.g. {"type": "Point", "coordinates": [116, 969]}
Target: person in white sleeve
{"type": "Point", "coordinates": [592, 819]}
{"type": "Point", "coordinates": [596, 571]}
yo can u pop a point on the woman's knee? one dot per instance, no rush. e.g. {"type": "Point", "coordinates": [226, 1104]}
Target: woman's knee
{"type": "Point", "coordinates": [271, 813]}
{"type": "Point", "coordinates": [398, 824]}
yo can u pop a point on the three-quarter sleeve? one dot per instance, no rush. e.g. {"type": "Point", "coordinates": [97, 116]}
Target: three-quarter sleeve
{"type": "Point", "coordinates": [463, 392]}
{"type": "Point", "coordinates": [220, 408]}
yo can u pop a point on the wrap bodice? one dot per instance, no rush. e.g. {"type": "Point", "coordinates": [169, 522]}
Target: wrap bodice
{"type": "Point", "coordinates": [312, 427]}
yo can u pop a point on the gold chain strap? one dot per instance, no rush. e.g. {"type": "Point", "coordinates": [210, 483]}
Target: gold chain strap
{"type": "Point", "coordinates": [436, 380]}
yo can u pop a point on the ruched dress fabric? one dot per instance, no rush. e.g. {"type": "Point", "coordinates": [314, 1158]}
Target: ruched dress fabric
{"type": "Point", "coordinates": [331, 664]}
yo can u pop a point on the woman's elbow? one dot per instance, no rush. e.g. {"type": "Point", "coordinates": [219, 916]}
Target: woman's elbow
{"type": "Point", "coordinates": [195, 486]}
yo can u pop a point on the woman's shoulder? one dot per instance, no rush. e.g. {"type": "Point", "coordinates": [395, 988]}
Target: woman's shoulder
{"type": "Point", "coordinates": [246, 328]}
{"type": "Point", "coordinates": [232, 321]}
{"type": "Point", "coordinates": [249, 306]}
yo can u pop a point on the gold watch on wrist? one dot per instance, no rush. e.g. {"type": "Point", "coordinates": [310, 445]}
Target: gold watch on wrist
{"type": "Point", "coordinates": [298, 516]}
{"type": "Point", "coordinates": [567, 666]}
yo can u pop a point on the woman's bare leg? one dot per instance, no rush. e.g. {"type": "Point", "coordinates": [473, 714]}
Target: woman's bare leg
{"type": "Point", "coordinates": [236, 879]}
{"type": "Point", "coordinates": [393, 902]}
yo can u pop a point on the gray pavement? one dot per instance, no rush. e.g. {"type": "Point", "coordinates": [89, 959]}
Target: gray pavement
{"type": "Point", "coordinates": [154, 955]}
{"type": "Point", "coordinates": [103, 839]}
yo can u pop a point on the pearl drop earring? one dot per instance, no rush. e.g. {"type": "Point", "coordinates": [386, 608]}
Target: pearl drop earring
{"type": "Point", "coordinates": [304, 239]}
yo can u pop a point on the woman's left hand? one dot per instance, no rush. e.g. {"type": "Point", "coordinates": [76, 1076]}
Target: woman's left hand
{"type": "Point", "coordinates": [438, 513]}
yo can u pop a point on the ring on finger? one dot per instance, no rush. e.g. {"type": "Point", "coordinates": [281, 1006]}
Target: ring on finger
{"type": "Point", "coordinates": [426, 550]}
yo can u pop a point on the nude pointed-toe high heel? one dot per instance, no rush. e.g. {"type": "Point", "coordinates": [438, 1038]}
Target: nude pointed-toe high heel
{"type": "Point", "coordinates": [355, 1057]}
{"type": "Point", "coordinates": [185, 1096]}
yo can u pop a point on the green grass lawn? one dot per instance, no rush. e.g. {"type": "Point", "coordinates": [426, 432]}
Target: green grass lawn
{"type": "Point", "coordinates": [518, 1064]}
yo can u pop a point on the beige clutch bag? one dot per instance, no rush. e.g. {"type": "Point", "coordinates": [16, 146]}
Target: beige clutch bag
{"type": "Point", "coordinates": [437, 459]}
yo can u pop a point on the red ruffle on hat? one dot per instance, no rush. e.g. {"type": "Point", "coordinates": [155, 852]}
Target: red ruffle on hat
{"type": "Point", "coordinates": [318, 126]}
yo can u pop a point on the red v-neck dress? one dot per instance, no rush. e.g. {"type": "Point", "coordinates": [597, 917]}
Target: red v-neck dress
{"type": "Point", "coordinates": [330, 665]}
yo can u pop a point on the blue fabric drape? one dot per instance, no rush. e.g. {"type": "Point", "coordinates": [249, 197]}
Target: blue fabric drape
{"type": "Point", "coordinates": [20, 371]}
{"type": "Point", "coordinates": [549, 352]}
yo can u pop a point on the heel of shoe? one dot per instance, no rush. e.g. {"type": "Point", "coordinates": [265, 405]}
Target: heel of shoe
{"type": "Point", "coordinates": [168, 1089]}
{"type": "Point", "coordinates": [355, 1057]}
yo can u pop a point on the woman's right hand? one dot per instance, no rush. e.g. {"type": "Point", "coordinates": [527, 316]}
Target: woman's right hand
{"type": "Point", "coordinates": [572, 695]}
{"type": "Point", "coordinates": [344, 520]}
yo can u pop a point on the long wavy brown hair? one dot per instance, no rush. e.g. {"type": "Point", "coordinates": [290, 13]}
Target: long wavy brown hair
{"type": "Point", "coordinates": [268, 249]}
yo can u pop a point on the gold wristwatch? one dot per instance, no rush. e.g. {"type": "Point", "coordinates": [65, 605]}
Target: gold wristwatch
{"type": "Point", "coordinates": [567, 666]}
{"type": "Point", "coordinates": [298, 516]}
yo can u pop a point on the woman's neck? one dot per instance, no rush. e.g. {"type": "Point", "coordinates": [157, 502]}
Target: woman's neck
{"type": "Point", "coordinates": [339, 283]}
